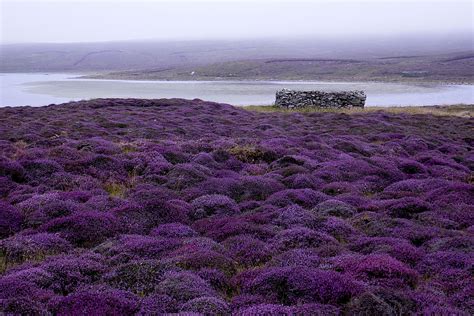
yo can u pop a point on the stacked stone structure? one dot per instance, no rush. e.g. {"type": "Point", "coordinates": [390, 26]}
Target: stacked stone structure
{"type": "Point", "coordinates": [342, 99]}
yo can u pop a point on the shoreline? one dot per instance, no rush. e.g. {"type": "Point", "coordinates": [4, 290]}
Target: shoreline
{"type": "Point", "coordinates": [107, 76]}
{"type": "Point", "coordinates": [277, 80]}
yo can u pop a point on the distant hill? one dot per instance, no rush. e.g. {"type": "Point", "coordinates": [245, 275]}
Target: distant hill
{"type": "Point", "coordinates": [440, 58]}
{"type": "Point", "coordinates": [455, 67]}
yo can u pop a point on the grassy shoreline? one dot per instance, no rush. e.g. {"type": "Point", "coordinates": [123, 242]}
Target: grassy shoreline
{"type": "Point", "coordinates": [442, 81]}
{"type": "Point", "coordinates": [460, 110]}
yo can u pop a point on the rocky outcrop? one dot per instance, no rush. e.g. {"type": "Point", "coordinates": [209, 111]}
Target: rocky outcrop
{"type": "Point", "coordinates": [296, 99]}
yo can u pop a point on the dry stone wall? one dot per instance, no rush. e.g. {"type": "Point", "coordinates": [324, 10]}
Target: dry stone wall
{"type": "Point", "coordinates": [342, 99]}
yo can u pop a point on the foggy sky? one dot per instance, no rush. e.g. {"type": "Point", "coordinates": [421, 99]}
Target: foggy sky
{"type": "Point", "coordinates": [103, 20]}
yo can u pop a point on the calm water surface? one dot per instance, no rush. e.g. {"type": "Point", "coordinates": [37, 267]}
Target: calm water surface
{"type": "Point", "coordinates": [44, 89]}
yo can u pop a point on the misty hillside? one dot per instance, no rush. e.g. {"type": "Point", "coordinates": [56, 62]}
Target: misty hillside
{"type": "Point", "coordinates": [456, 67]}
{"type": "Point", "coordinates": [164, 56]}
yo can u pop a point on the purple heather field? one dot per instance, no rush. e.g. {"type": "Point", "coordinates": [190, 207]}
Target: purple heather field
{"type": "Point", "coordinates": [151, 207]}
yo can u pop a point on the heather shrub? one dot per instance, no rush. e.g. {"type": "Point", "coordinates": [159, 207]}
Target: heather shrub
{"type": "Point", "coordinates": [247, 251]}
{"type": "Point", "coordinates": [296, 258]}
{"type": "Point", "coordinates": [301, 238]}
{"type": "Point", "coordinates": [40, 209]}
{"type": "Point", "coordinates": [377, 268]}
{"type": "Point", "coordinates": [207, 306]}
{"type": "Point", "coordinates": [204, 243]}
{"type": "Point", "coordinates": [196, 258]}
{"type": "Point", "coordinates": [159, 205]}
{"type": "Point", "coordinates": [36, 170]}
{"type": "Point", "coordinates": [303, 181]}
{"type": "Point", "coordinates": [140, 276]}
{"type": "Point", "coordinates": [345, 169]}
{"type": "Point", "coordinates": [306, 198]}
{"type": "Point", "coordinates": [96, 301]}
{"type": "Point", "coordinates": [182, 176]}
{"type": "Point", "coordinates": [184, 286]}
{"type": "Point", "coordinates": [67, 273]}
{"type": "Point", "coordinates": [370, 304]}
{"type": "Point", "coordinates": [408, 207]}
{"type": "Point", "coordinates": [265, 309]}
{"type": "Point", "coordinates": [157, 304]}
{"type": "Point", "coordinates": [104, 203]}
{"type": "Point", "coordinates": [20, 297]}
{"type": "Point", "coordinates": [10, 220]}
{"type": "Point", "coordinates": [242, 301]}
{"type": "Point", "coordinates": [22, 306]}
{"type": "Point", "coordinates": [334, 208]}
{"type": "Point", "coordinates": [11, 169]}
{"type": "Point", "coordinates": [338, 228]}
{"type": "Point", "coordinates": [409, 166]}
{"type": "Point", "coordinates": [315, 310]}
{"type": "Point", "coordinates": [216, 278]}
{"type": "Point", "coordinates": [134, 218]}
{"type": "Point", "coordinates": [301, 284]}
{"type": "Point", "coordinates": [438, 261]}
{"type": "Point", "coordinates": [7, 186]}
{"type": "Point", "coordinates": [251, 154]}
{"type": "Point", "coordinates": [64, 181]}
{"type": "Point", "coordinates": [463, 298]}
{"type": "Point", "coordinates": [222, 228]}
{"type": "Point", "coordinates": [36, 275]}
{"type": "Point", "coordinates": [442, 310]}
{"type": "Point", "coordinates": [339, 187]}
{"type": "Point", "coordinates": [173, 230]}
{"type": "Point", "coordinates": [99, 166]}
{"type": "Point", "coordinates": [414, 187]}
{"type": "Point", "coordinates": [20, 248]}
{"type": "Point", "coordinates": [84, 229]}
{"type": "Point", "coordinates": [150, 197]}
{"type": "Point", "coordinates": [417, 234]}
{"type": "Point", "coordinates": [255, 188]}
{"type": "Point", "coordinates": [402, 301]}
{"type": "Point", "coordinates": [457, 243]}
{"type": "Point", "coordinates": [11, 288]}
{"type": "Point", "coordinates": [206, 160]}
{"type": "Point", "coordinates": [370, 223]}
{"type": "Point", "coordinates": [214, 204]}
{"type": "Point", "coordinates": [398, 248]}
{"type": "Point", "coordinates": [293, 216]}
{"type": "Point", "coordinates": [292, 160]}
{"type": "Point", "coordinates": [151, 163]}
{"type": "Point", "coordinates": [454, 193]}
{"type": "Point", "coordinates": [243, 188]}
{"type": "Point", "coordinates": [137, 246]}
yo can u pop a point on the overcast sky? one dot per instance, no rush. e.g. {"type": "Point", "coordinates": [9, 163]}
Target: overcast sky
{"type": "Point", "coordinates": [104, 20]}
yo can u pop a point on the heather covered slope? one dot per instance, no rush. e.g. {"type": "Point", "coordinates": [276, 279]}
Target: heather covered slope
{"type": "Point", "coordinates": [160, 206]}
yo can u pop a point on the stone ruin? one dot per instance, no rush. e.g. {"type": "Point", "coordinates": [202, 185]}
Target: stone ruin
{"type": "Point", "coordinates": [342, 99]}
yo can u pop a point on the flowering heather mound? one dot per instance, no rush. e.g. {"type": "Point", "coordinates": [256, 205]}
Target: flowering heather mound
{"type": "Point", "coordinates": [147, 207]}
